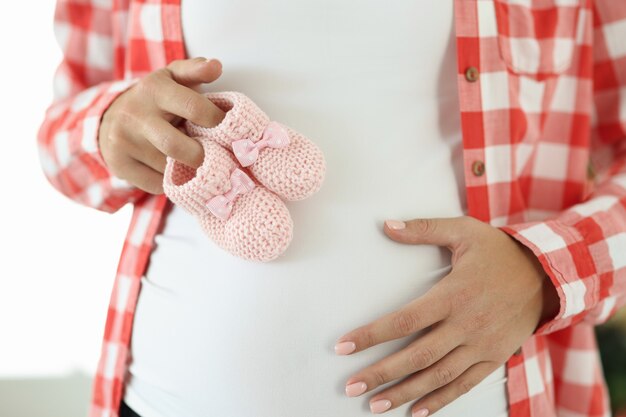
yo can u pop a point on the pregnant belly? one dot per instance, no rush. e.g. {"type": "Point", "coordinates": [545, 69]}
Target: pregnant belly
{"type": "Point", "coordinates": [217, 336]}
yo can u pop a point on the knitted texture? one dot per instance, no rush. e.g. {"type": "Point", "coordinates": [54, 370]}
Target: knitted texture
{"type": "Point", "coordinates": [259, 226]}
{"type": "Point", "coordinates": [294, 172]}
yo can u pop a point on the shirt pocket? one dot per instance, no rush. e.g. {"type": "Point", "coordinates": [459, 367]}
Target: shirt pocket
{"type": "Point", "coordinates": [537, 38]}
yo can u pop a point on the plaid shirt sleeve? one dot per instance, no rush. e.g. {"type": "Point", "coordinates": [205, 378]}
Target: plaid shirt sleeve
{"type": "Point", "coordinates": [583, 250]}
{"type": "Point", "coordinates": [84, 87]}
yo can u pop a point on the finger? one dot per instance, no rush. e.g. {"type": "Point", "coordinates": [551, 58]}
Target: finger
{"type": "Point", "coordinates": [441, 232]}
{"type": "Point", "coordinates": [143, 177]}
{"type": "Point", "coordinates": [443, 396]}
{"type": "Point", "coordinates": [172, 142]}
{"type": "Point", "coordinates": [148, 154]}
{"type": "Point", "coordinates": [417, 315]}
{"type": "Point", "coordinates": [192, 72]}
{"type": "Point", "coordinates": [421, 384]}
{"type": "Point", "coordinates": [178, 100]}
{"type": "Point", "coordinates": [419, 355]}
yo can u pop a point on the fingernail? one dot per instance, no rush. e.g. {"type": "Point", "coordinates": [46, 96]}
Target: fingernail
{"type": "Point", "coordinates": [213, 61]}
{"type": "Point", "coordinates": [344, 348]}
{"type": "Point", "coordinates": [380, 406]}
{"type": "Point", "coordinates": [422, 412]}
{"type": "Point", "coordinates": [355, 389]}
{"type": "Point", "coordinates": [395, 224]}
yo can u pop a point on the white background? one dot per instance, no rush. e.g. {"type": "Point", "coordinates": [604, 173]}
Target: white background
{"type": "Point", "coordinates": [57, 258]}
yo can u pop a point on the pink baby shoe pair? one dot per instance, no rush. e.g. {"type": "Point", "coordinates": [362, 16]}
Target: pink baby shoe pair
{"type": "Point", "coordinates": [251, 164]}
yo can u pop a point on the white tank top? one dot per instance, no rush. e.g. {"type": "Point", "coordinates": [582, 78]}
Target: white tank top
{"type": "Point", "coordinates": [374, 85]}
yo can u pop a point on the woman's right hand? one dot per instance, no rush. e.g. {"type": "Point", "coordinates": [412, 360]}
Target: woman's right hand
{"type": "Point", "coordinates": [138, 130]}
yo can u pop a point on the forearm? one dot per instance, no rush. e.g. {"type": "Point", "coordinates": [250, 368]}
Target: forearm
{"type": "Point", "coordinates": [84, 87]}
{"type": "Point", "coordinates": [583, 252]}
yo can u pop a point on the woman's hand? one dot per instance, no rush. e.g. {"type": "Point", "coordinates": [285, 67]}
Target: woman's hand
{"type": "Point", "coordinates": [138, 129]}
{"type": "Point", "coordinates": [493, 299]}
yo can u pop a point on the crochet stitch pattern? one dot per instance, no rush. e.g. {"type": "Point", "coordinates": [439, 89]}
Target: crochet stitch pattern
{"type": "Point", "coordinates": [259, 227]}
{"type": "Point", "coordinates": [293, 172]}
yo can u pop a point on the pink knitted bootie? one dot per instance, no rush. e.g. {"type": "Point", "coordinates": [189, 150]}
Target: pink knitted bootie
{"type": "Point", "coordinates": [280, 158]}
{"type": "Point", "coordinates": [240, 215]}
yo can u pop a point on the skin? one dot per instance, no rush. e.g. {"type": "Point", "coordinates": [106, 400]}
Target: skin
{"type": "Point", "coordinates": [479, 315]}
{"type": "Point", "coordinates": [138, 130]}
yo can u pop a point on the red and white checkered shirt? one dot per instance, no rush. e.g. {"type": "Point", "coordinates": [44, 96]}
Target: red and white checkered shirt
{"type": "Point", "coordinates": [542, 87]}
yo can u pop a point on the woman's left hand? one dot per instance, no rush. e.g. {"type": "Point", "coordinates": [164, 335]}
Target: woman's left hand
{"type": "Point", "coordinates": [493, 299]}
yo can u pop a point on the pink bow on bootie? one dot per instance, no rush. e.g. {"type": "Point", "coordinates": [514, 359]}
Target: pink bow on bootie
{"type": "Point", "coordinates": [274, 136]}
{"type": "Point", "coordinates": [222, 205]}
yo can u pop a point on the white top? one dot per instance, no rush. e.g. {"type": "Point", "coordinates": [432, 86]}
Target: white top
{"type": "Point", "coordinates": [374, 85]}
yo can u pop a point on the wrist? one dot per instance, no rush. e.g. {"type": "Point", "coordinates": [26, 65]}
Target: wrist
{"type": "Point", "coordinates": [551, 301]}
{"type": "Point", "coordinates": [548, 301]}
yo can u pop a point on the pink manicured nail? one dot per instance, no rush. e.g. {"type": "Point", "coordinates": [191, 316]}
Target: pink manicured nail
{"type": "Point", "coordinates": [344, 348]}
{"type": "Point", "coordinates": [355, 389]}
{"type": "Point", "coordinates": [422, 412]}
{"type": "Point", "coordinates": [380, 406]}
{"type": "Point", "coordinates": [395, 224]}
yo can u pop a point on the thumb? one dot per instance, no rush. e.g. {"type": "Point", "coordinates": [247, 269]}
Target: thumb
{"type": "Point", "coordinates": [193, 72]}
{"type": "Point", "coordinates": [440, 232]}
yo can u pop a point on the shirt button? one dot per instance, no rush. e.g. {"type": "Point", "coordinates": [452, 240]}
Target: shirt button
{"type": "Point", "coordinates": [472, 74]}
{"type": "Point", "coordinates": [478, 168]}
